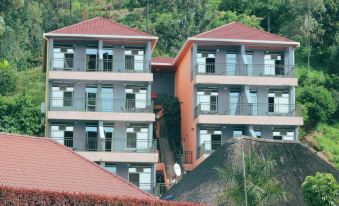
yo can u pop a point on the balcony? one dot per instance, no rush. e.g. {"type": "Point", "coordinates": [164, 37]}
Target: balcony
{"type": "Point", "coordinates": [113, 150]}
{"type": "Point", "coordinates": [108, 145]}
{"type": "Point", "coordinates": [100, 69]}
{"type": "Point", "coordinates": [99, 65]}
{"type": "Point", "coordinates": [248, 114]}
{"type": "Point", "coordinates": [248, 109]}
{"type": "Point", "coordinates": [208, 147]}
{"type": "Point", "coordinates": [101, 109]}
{"type": "Point", "coordinates": [245, 74]}
{"type": "Point", "coordinates": [100, 105]}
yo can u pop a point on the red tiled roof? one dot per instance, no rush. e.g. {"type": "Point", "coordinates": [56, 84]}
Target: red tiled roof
{"type": "Point", "coordinates": [100, 26]}
{"type": "Point", "coordinates": [162, 60]}
{"type": "Point", "coordinates": [239, 31]}
{"type": "Point", "coordinates": [40, 163]}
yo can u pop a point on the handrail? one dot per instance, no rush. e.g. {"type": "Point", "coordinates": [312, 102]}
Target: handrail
{"type": "Point", "coordinates": [100, 65]}
{"type": "Point", "coordinates": [259, 70]}
{"type": "Point", "coordinates": [248, 109]}
{"type": "Point", "coordinates": [100, 105]}
{"type": "Point", "coordinates": [108, 145]}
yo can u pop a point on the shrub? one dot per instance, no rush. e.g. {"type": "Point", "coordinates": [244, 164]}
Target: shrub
{"type": "Point", "coordinates": [14, 196]}
{"type": "Point", "coordinates": [321, 189]}
{"type": "Point", "coordinates": [7, 78]}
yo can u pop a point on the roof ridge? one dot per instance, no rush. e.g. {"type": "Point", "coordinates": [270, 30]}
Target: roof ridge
{"type": "Point", "coordinates": [269, 33]}
{"type": "Point", "coordinates": [87, 20]}
{"type": "Point", "coordinates": [127, 27]}
{"type": "Point", "coordinates": [219, 27]}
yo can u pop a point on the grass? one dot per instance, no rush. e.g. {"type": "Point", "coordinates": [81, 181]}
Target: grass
{"type": "Point", "coordinates": [328, 139]}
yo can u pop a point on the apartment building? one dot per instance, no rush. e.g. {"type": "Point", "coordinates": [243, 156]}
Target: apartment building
{"type": "Point", "coordinates": [231, 81]}
{"type": "Point", "coordinates": [98, 96]}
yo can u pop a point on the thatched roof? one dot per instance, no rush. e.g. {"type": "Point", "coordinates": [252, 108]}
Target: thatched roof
{"type": "Point", "coordinates": [294, 162]}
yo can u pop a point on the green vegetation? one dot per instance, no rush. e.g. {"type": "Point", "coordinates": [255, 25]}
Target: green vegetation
{"type": "Point", "coordinates": [328, 140]}
{"type": "Point", "coordinates": [261, 186]}
{"type": "Point", "coordinates": [321, 189]}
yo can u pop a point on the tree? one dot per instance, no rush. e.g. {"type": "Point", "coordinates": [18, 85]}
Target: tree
{"type": "Point", "coordinates": [261, 186]}
{"type": "Point", "coordinates": [7, 78]}
{"type": "Point", "coordinates": [321, 189]}
{"type": "Point", "coordinates": [19, 115]}
{"type": "Point", "coordinates": [318, 102]}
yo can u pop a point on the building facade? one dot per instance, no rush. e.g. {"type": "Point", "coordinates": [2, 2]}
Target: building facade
{"type": "Point", "coordinates": [232, 81]}
{"type": "Point", "coordinates": [98, 96]}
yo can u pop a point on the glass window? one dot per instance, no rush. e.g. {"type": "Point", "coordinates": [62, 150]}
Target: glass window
{"type": "Point", "coordinates": [208, 99]}
{"type": "Point", "coordinates": [210, 138]}
{"type": "Point", "coordinates": [257, 133]}
{"type": "Point", "coordinates": [231, 64]}
{"type": "Point", "coordinates": [136, 97]}
{"type": "Point", "coordinates": [134, 59]}
{"type": "Point", "coordinates": [63, 134]}
{"type": "Point", "coordinates": [234, 102]}
{"type": "Point", "coordinates": [278, 102]}
{"type": "Point", "coordinates": [63, 58]}
{"type": "Point", "coordinates": [91, 138]}
{"type": "Point", "coordinates": [283, 133]}
{"type": "Point", "coordinates": [237, 132]}
{"type": "Point", "coordinates": [249, 59]}
{"type": "Point", "coordinates": [91, 98]}
{"type": "Point", "coordinates": [137, 136]}
{"type": "Point", "coordinates": [111, 167]}
{"type": "Point", "coordinates": [206, 62]}
{"type": "Point", "coordinates": [91, 59]}
{"type": "Point", "coordinates": [62, 96]}
{"type": "Point", "coordinates": [107, 99]}
{"type": "Point", "coordinates": [107, 59]}
{"type": "Point", "coordinates": [141, 177]}
{"type": "Point", "coordinates": [108, 130]}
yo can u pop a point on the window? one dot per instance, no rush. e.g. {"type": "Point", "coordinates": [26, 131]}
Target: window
{"type": "Point", "coordinates": [278, 102]}
{"type": "Point", "coordinates": [249, 59]}
{"type": "Point", "coordinates": [91, 137]}
{"type": "Point", "coordinates": [91, 58]}
{"type": "Point", "coordinates": [208, 99]}
{"type": "Point", "coordinates": [234, 102]}
{"type": "Point", "coordinates": [257, 133]}
{"type": "Point", "coordinates": [210, 138]}
{"type": "Point", "coordinates": [274, 64]}
{"type": "Point", "coordinates": [231, 64]}
{"type": "Point", "coordinates": [254, 106]}
{"type": "Point", "coordinates": [206, 62]}
{"type": "Point", "coordinates": [141, 176]}
{"type": "Point", "coordinates": [111, 167]}
{"type": "Point", "coordinates": [91, 98]}
{"type": "Point", "coordinates": [108, 130]}
{"type": "Point", "coordinates": [134, 59]}
{"type": "Point", "coordinates": [63, 58]}
{"type": "Point", "coordinates": [237, 132]}
{"type": "Point", "coordinates": [63, 133]}
{"type": "Point", "coordinates": [107, 59]}
{"type": "Point", "coordinates": [283, 133]}
{"type": "Point", "coordinates": [62, 96]}
{"type": "Point", "coordinates": [137, 136]}
{"type": "Point", "coordinates": [136, 97]}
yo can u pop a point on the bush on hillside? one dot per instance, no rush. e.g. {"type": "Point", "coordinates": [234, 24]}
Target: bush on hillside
{"type": "Point", "coordinates": [321, 189]}
{"type": "Point", "coordinates": [7, 78]}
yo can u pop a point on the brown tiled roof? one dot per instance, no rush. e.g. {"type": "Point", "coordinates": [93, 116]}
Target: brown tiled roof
{"type": "Point", "coordinates": [239, 31]}
{"type": "Point", "coordinates": [162, 60]}
{"type": "Point", "coordinates": [43, 164]}
{"type": "Point", "coordinates": [100, 26]}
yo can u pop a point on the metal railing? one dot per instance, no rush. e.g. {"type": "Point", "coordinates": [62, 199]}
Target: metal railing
{"type": "Point", "coordinates": [108, 145]}
{"type": "Point", "coordinates": [208, 147]}
{"type": "Point", "coordinates": [99, 65]}
{"type": "Point", "coordinates": [100, 105]}
{"type": "Point", "coordinates": [267, 70]}
{"type": "Point", "coordinates": [249, 109]}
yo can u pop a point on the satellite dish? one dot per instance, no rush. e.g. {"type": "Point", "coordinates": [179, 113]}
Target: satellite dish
{"type": "Point", "coordinates": [177, 169]}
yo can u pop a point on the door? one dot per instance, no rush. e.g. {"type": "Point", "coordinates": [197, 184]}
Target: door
{"type": "Point", "coordinates": [210, 65]}
{"type": "Point", "coordinates": [91, 59]}
{"type": "Point", "coordinates": [216, 141]}
{"type": "Point", "coordinates": [108, 130]}
{"type": "Point", "coordinates": [91, 138]}
{"type": "Point", "coordinates": [231, 64]}
{"type": "Point", "coordinates": [107, 99]}
{"type": "Point", "coordinates": [107, 59]}
{"type": "Point", "coordinates": [234, 102]}
{"type": "Point", "coordinates": [91, 98]}
{"type": "Point", "coordinates": [249, 67]}
{"type": "Point", "coordinates": [254, 105]}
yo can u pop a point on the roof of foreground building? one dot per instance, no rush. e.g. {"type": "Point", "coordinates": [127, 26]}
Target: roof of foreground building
{"type": "Point", "coordinates": [43, 164]}
{"type": "Point", "coordinates": [293, 163]}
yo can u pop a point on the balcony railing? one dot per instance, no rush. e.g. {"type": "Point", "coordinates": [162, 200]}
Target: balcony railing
{"type": "Point", "coordinates": [99, 65]}
{"type": "Point", "coordinates": [100, 105]}
{"type": "Point", "coordinates": [108, 145]}
{"type": "Point", "coordinates": [258, 70]}
{"type": "Point", "coordinates": [187, 157]}
{"type": "Point", "coordinates": [249, 109]}
{"type": "Point", "coordinates": [208, 147]}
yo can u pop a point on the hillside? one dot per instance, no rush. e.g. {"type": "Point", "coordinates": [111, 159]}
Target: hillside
{"type": "Point", "coordinates": [294, 163]}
